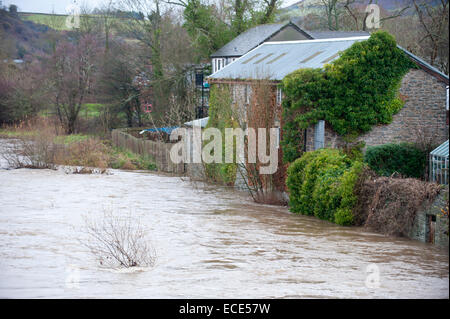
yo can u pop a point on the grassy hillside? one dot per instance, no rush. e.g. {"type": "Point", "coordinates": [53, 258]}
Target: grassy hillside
{"type": "Point", "coordinates": [56, 22]}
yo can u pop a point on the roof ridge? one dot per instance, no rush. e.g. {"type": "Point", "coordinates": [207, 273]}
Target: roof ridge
{"type": "Point", "coordinates": [363, 37]}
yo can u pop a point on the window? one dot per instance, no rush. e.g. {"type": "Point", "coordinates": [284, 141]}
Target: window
{"type": "Point", "coordinates": [262, 59]}
{"type": "Point", "coordinates": [213, 65]}
{"type": "Point", "coordinates": [277, 141]}
{"type": "Point", "coordinates": [319, 135]}
{"type": "Point", "coordinates": [279, 96]}
{"type": "Point", "coordinates": [311, 56]}
{"type": "Point", "coordinates": [330, 58]}
{"type": "Point", "coordinates": [219, 64]}
{"type": "Point", "coordinates": [256, 55]}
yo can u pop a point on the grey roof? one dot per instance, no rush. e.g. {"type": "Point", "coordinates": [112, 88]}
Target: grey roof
{"type": "Point", "coordinates": [327, 34]}
{"type": "Point", "coordinates": [441, 150]}
{"type": "Point", "coordinates": [274, 60]}
{"type": "Point", "coordinates": [248, 40]}
{"type": "Point", "coordinates": [253, 37]}
{"type": "Point", "coordinates": [336, 34]}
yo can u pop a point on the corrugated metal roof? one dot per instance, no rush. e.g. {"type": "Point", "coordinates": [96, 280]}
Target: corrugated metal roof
{"type": "Point", "coordinates": [277, 59]}
{"type": "Point", "coordinates": [441, 150]}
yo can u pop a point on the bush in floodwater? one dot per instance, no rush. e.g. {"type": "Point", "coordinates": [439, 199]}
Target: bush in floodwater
{"type": "Point", "coordinates": [118, 241]}
{"type": "Point", "coordinates": [389, 205]}
{"type": "Point", "coordinates": [322, 183]}
{"type": "Point", "coordinates": [32, 151]}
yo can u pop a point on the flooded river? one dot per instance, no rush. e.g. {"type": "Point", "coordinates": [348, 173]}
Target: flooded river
{"type": "Point", "coordinates": [210, 242]}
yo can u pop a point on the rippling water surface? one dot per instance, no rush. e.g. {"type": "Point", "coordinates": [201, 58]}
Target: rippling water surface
{"type": "Point", "coordinates": [210, 243]}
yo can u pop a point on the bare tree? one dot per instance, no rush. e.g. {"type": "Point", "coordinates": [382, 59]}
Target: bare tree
{"type": "Point", "coordinates": [434, 21]}
{"type": "Point", "coordinates": [71, 71]}
{"type": "Point", "coordinates": [118, 241]}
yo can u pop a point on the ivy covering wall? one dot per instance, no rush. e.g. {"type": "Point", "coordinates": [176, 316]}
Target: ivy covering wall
{"type": "Point", "coordinates": [221, 117]}
{"type": "Point", "coordinates": [352, 94]}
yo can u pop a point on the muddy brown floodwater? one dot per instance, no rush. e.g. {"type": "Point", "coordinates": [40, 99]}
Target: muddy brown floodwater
{"type": "Point", "coordinates": [210, 242]}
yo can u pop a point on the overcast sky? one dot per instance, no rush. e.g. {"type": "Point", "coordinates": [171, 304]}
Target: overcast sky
{"type": "Point", "coordinates": [59, 6]}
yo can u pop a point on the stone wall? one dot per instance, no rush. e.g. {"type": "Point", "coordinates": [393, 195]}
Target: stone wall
{"type": "Point", "coordinates": [422, 119]}
{"type": "Point", "coordinates": [421, 228]}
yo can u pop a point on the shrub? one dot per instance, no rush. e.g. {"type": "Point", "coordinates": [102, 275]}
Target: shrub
{"type": "Point", "coordinates": [118, 240]}
{"type": "Point", "coordinates": [402, 158]}
{"type": "Point", "coordinates": [322, 183]}
{"type": "Point", "coordinates": [389, 205]}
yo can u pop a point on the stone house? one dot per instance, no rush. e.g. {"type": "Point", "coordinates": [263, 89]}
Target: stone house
{"type": "Point", "coordinates": [424, 115]}
{"type": "Point", "coordinates": [423, 118]}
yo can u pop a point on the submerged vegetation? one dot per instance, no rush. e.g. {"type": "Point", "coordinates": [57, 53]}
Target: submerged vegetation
{"type": "Point", "coordinates": [332, 186]}
{"type": "Point", "coordinates": [39, 144]}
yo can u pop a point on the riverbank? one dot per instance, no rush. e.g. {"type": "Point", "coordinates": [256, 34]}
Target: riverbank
{"type": "Point", "coordinates": [39, 145]}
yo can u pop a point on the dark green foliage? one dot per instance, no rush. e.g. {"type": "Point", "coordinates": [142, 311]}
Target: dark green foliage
{"type": "Point", "coordinates": [352, 94]}
{"type": "Point", "coordinates": [402, 158]}
{"type": "Point", "coordinates": [207, 31]}
{"type": "Point", "coordinates": [210, 29]}
{"type": "Point", "coordinates": [321, 183]}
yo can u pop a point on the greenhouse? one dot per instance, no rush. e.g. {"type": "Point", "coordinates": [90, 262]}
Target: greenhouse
{"type": "Point", "coordinates": [439, 164]}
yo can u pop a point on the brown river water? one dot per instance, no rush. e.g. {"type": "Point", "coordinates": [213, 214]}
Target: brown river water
{"type": "Point", "coordinates": [210, 242]}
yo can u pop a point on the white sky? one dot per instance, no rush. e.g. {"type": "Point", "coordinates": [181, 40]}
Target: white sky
{"type": "Point", "coordinates": [59, 6]}
{"type": "Point", "coordinates": [46, 6]}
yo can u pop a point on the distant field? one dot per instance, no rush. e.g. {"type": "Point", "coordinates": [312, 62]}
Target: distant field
{"type": "Point", "coordinates": [57, 21]}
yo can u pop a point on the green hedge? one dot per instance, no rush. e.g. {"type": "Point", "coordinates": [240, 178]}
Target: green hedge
{"type": "Point", "coordinates": [402, 158]}
{"type": "Point", "coordinates": [321, 183]}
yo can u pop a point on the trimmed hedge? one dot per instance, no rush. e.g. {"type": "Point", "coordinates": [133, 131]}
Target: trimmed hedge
{"type": "Point", "coordinates": [402, 158]}
{"type": "Point", "coordinates": [322, 183]}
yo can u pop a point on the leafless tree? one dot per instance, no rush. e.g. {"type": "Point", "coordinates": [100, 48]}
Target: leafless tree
{"type": "Point", "coordinates": [119, 241]}
{"type": "Point", "coordinates": [434, 21]}
{"type": "Point", "coordinates": [71, 71]}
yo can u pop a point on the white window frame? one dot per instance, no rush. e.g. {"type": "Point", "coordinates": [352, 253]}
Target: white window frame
{"type": "Point", "coordinates": [279, 96]}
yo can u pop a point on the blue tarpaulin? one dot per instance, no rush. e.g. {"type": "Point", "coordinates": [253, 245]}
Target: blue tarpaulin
{"type": "Point", "coordinates": [167, 130]}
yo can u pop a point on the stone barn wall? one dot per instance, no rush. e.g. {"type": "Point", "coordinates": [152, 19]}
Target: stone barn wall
{"type": "Point", "coordinates": [422, 119]}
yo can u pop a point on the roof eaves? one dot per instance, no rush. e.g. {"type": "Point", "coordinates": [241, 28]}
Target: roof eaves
{"type": "Point", "coordinates": [425, 65]}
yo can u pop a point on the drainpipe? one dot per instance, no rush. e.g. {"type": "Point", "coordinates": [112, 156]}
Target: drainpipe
{"type": "Point", "coordinates": [304, 140]}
